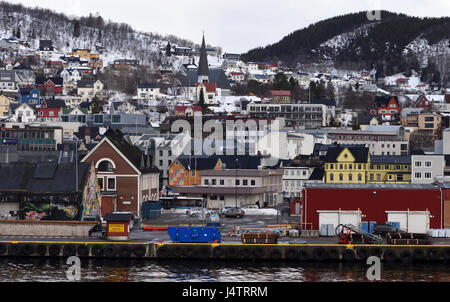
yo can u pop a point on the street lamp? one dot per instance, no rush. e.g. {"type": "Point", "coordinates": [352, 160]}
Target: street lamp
{"type": "Point", "coordinates": [236, 169]}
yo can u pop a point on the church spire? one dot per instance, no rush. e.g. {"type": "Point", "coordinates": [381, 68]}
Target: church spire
{"type": "Point", "coordinates": [203, 70]}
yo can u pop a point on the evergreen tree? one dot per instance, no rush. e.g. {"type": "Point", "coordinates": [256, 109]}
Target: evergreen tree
{"type": "Point", "coordinates": [96, 106]}
{"type": "Point", "coordinates": [280, 82]}
{"type": "Point", "coordinates": [168, 50]}
{"type": "Point", "coordinates": [76, 29]}
{"type": "Point", "coordinates": [201, 101]}
{"type": "Point", "coordinates": [18, 33]}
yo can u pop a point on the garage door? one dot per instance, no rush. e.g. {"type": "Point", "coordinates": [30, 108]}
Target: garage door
{"type": "Point", "coordinates": [337, 217]}
{"type": "Point", "coordinates": [328, 218]}
{"type": "Point", "coordinates": [411, 221]}
{"type": "Point", "coordinates": [400, 217]}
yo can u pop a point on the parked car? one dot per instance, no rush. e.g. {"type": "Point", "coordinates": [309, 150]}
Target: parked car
{"type": "Point", "coordinates": [198, 212]}
{"type": "Point", "coordinates": [383, 229]}
{"type": "Point", "coordinates": [233, 212]}
{"type": "Point", "coordinates": [224, 209]}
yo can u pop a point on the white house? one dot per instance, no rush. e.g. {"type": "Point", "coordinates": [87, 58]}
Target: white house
{"type": "Point", "coordinates": [24, 113]}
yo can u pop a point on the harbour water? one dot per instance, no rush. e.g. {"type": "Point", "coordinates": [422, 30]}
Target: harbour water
{"type": "Point", "coordinates": [101, 270]}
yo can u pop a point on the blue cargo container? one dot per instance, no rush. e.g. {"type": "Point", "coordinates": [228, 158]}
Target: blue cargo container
{"type": "Point", "coordinates": [395, 224]}
{"type": "Point", "coordinates": [365, 226]}
{"type": "Point", "coordinates": [151, 210]}
{"type": "Point", "coordinates": [371, 225]}
{"type": "Point", "coordinates": [194, 234]}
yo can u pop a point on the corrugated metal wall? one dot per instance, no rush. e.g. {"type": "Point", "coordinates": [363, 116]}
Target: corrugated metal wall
{"type": "Point", "coordinates": [373, 203]}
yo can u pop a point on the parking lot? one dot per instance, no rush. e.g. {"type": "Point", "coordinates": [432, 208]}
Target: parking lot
{"type": "Point", "coordinates": [228, 225]}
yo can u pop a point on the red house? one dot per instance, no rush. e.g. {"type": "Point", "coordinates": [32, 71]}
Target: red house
{"type": "Point", "coordinates": [125, 174]}
{"type": "Point", "coordinates": [423, 102]}
{"type": "Point", "coordinates": [49, 86]}
{"type": "Point", "coordinates": [187, 110]}
{"type": "Point", "coordinates": [50, 109]}
{"type": "Point", "coordinates": [386, 106]}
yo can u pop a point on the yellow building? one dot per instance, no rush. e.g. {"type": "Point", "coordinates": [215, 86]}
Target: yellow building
{"type": "Point", "coordinates": [346, 164]}
{"type": "Point", "coordinates": [354, 164]}
{"type": "Point", "coordinates": [389, 169]}
{"type": "Point", "coordinates": [185, 171]}
{"type": "Point", "coordinates": [5, 103]}
{"type": "Point", "coordinates": [85, 54]}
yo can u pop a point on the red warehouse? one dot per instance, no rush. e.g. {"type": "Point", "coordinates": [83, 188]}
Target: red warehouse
{"type": "Point", "coordinates": [374, 201]}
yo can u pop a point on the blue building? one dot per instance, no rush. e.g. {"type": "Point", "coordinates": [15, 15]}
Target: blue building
{"type": "Point", "coordinates": [29, 96]}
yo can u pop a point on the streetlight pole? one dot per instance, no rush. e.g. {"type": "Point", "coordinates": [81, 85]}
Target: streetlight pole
{"type": "Point", "coordinates": [236, 169]}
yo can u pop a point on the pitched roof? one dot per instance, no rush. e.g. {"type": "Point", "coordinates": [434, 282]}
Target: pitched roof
{"type": "Point", "coordinates": [210, 87]}
{"type": "Point", "coordinates": [147, 86]}
{"type": "Point", "coordinates": [141, 161]}
{"type": "Point", "coordinates": [228, 161]}
{"type": "Point", "coordinates": [384, 159]}
{"type": "Point", "coordinates": [383, 101]}
{"type": "Point", "coordinates": [203, 69]}
{"type": "Point", "coordinates": [215, 76]}
{"type": "Point", "coordinates": [42, 177]}
{"type": "Point", "coordinates": [360, 153]}
{"type": "Point", "coordinates": [281, 92]}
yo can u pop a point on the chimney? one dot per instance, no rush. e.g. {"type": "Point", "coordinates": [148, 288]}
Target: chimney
{"type": "Point", "coordinates": [87, 135]}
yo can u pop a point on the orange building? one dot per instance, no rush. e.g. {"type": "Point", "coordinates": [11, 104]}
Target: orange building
{"type": "Point", "coordinates": [185, 171]}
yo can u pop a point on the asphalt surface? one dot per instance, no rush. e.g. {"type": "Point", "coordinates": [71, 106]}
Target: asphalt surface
{"type": "Point", "coordinates": [228, 227]}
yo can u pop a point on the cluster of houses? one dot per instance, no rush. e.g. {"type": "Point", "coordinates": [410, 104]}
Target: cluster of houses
{"type": "Point", "coordinates": [254, 152]}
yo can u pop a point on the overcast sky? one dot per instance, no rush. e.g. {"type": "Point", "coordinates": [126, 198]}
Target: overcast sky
{"type": "Point", "coordinates": [235, 25]}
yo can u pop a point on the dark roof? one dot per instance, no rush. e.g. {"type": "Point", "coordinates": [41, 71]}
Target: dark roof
{"type": "Point", "coordinates": [25, 91]}
{"type": "Point", "coordinates": [43, 177]}
{"type": "Point", "coordinates": [141, 161]}
{"type": "Point", "coordinates": [147, 85]}
{"type": "Point", "coordinates": [215, 76]}
{"type": "Point", "coordinates": [317, 174]}
{"type": "Point", "coordinates": [85, 84]}
{"type": "Point", "coordinates": [382, 101]}
{"type": "Point", "coordinates": [417, 152]}
{"type": "Point", "coordinates": [118, 217]}
{"type": "Point", "coordinates": [384, 159]}
{"type": "Point", "coordinates": [54, 103]}
{"type": "Point", "coordinates": [203, 69]}
{"type": "Point", "coordinates": [360, 153]}
{"type": "Point", "coordinates": [229, 162]}
{"type": "Point", "coordinates": [364, 119]}
{"type": "Point", "coordinates": [327, 102]}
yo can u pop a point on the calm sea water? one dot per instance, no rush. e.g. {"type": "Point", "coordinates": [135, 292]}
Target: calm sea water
{"type": "Point", "coordinates": [49, 270]}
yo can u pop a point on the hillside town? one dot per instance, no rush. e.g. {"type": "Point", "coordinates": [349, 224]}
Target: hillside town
{"type": "Point", "coordinates": [334, 133]}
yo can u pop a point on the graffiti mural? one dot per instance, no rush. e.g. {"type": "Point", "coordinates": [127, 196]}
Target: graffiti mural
{"type": "Point", "coordinates": [92, 201]}
{"type": "Point", "coordinates": [49, 211]}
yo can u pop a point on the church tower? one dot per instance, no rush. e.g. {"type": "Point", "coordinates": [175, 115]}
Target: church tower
{"type": "Point", "coordinates": [203, 69]}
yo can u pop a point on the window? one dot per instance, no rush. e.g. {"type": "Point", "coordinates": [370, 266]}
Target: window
{"type": "Point", "coordinates": [222, 182]}
{"type": "Point", "coordinates": [116, 119]}
{"type": "Point", "coordinates": [111, 184]}
{"type": "Point", "coordinates": [161, 153]}
{"type": "Point", "coordinates": [206, 182]}
{"type": "Point", "coordinates": [428, 164]}
{"type": "Point", "coordinates": [417, 175]}
{"type": "Point", "coordinates": [378, 177]}
{"type": "Point", "coordinates": [214, 182]}
{"type": "Point", "coordinates": [331, 177]}
{"type": "Point", "coordinates": [100, 182]}
{"type": "Point", "coordinates": [418, 164]}
{"type": "Point", "coordinates": [428, 175]}
{"type": "Point", "coordinates": [238, 182]}
{"type": "Point", "coordinates": [221, 197]}
{"type": "Point", "coordinates": [350, 177]}
{"type": "Point", "coordinates": [192, 173]}
{"type": "Point", "coordinates": [341, 177]}
{"type": "Point", "coordinates": [245, 182]}
{"type": "Point", "coordinates": [359, 177]}
{"type": "Point", "coordinates": [105, 166]}
{"type": "Point", "coordinates": [161, 163]}
{"type": "Point", "coordinates": [98, 119]}
{"type": "Point", "coordinates": [253, 182]}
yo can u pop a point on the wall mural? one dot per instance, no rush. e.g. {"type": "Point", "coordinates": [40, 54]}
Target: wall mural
{"type": "Point", "coordinates": [92, 200]}
{"type": "Point", "coordinates": [47, 211]}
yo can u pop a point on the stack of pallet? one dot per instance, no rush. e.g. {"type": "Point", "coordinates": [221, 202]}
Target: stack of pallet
{"type": "Point", "coordinates": [407, 239]}
{"type": "Point", "coordinates": [260, 238]}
